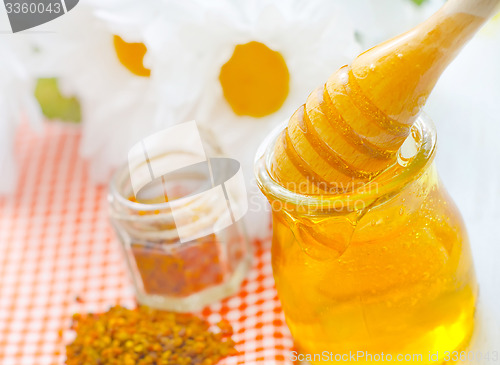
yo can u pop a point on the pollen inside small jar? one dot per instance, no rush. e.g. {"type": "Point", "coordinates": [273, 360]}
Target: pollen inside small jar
{"type": "Point", "coordinates": [255, 80]}
{"type": "Point", "coordinates": [131, 55]}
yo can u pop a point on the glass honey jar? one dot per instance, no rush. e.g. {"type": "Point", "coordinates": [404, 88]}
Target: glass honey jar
{"type": "Point", "coordinates": [380, 271]}
{"type": "Point", "coordinates": [178, 267]}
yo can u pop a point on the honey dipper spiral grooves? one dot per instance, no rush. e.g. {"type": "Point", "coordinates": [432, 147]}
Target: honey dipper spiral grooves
{"type": "Point", "coordinates": [350, 130]}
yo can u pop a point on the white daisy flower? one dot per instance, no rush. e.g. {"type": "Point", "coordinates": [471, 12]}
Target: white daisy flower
{"type": "Point", "coordinates": [158, 24]}
{"type": "Point", "coordinates": [17, 102]}
{"type": "Point", "coordinates": [108, 72]}
{"type": "Point", "coordinates": [241, 67]}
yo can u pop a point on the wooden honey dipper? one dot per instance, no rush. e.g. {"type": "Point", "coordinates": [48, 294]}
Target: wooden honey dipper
{"type": "Point", "coordinates": [350, 129]}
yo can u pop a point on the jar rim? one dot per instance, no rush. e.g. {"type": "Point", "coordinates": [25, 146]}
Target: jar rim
{"type": "Point", "coordinates": [121, 175]}
{"type": "Point", "coordinates": [423, 129]}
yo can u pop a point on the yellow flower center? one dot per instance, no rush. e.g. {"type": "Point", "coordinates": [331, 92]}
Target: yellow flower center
{"type": "Point", "coordinates": [131, 55]}
{"type": "Point", "coordinates": [255, 80]}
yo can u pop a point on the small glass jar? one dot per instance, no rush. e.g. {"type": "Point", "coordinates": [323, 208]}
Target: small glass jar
{"type": "Point", "coordinates": [168, 272]}
{"type": "Point", "coordinates": [381, 270]}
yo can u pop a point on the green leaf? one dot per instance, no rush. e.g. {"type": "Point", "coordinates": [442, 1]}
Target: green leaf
{"type": "Point", "coordinates": [54, 104]}
{"type": "Point", "coordinates": [419, 2]}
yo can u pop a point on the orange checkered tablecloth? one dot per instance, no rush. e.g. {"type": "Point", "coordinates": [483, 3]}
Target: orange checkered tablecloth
{"type": "Point", "coordinates": [59, 256]}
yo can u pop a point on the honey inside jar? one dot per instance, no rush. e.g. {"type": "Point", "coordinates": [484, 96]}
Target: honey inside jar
{"type": "Point", "coordinates": [383, 269]}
